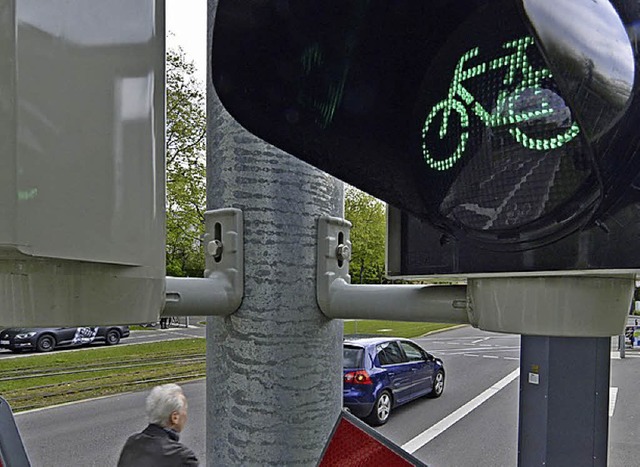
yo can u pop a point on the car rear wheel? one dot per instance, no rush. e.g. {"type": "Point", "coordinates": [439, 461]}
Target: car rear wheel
{"type": "Point", "coordinates": [113, 337]}
{"type": "Point", "coordinates": [438, 385]}
{"type": "Point", "coordinates": [46, 343]}
{"type": "Point", "coordinates": [381, 410]}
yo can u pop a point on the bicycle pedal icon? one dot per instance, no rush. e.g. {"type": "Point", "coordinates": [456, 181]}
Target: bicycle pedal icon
{"type": "Point", "coordinates": [521, 84]}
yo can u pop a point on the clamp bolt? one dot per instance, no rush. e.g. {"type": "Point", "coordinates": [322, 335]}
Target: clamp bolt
{"type": "Point", "coordinates": [214, 248]}
{"type": "Point", "coordinates": [343, 252]}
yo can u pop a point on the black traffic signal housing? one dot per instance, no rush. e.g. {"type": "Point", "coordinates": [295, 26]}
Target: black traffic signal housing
{"type": "Point", "coordinates": [504, 130]}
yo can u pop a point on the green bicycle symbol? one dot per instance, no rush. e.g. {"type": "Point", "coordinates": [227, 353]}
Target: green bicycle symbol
{"type": "Point", "coordinates": [506, 112]}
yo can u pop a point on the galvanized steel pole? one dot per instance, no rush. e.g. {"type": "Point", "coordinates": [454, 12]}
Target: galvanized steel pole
{"type": "Point", "coordinates": [273, 367]}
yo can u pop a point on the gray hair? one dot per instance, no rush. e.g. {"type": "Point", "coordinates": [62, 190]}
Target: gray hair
{"type": "Point", "coordinates": [162, 401]}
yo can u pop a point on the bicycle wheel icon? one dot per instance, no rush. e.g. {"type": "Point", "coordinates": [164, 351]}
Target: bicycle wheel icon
{"type": "Point", "coordinates": [445, 108]}
{"type": "Point", "coordinates": [539, 118]}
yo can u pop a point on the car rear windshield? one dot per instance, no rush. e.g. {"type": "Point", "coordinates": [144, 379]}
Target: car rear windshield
{"type": "Point", "coordinates": [352, 356]}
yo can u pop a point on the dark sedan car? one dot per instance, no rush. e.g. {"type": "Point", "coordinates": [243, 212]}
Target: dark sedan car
{"type": "Point", "coordinates": [46, 339]}
{"type": "Point", "coordinates": [384, 372]}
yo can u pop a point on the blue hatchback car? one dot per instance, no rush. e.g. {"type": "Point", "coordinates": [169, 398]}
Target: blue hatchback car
{"type": "Point", "coordinates": [381, 373]}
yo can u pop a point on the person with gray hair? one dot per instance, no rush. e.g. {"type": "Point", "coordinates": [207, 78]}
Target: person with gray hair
{"type": "Point", "coordinates": [158, 444]}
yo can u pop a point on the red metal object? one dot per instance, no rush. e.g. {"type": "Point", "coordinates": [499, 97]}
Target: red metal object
{"type": "Point", "coordinates": [355, 444]}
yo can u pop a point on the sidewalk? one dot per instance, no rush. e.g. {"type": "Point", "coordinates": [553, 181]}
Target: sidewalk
{"type": "Point", "coordinates": [180, 322]}
{"type": "Point", "coordinates": [629, 350]}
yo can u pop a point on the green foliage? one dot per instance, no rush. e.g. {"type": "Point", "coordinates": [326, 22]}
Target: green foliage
{"type": "Point", "coordinates": [186, 172]}
{"type": "Point", "coordinates": [368, 234]}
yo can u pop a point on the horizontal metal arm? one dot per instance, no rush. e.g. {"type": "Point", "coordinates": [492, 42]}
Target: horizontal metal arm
{"type": "Point", "coordinates": [337, 298]}
{"type": "Point", "coordinates": [439, 304]}
{"type": "Point", "coordinates": [563, 305]}
{"type": "Point", "coordinates": [196, 296]}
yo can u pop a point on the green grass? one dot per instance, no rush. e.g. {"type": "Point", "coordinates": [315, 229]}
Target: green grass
{"type": "Point", "coordinates": [391, 328]}
{"type": "Point", "coordinates": [53, 378]}
{"type": "Point", "coordinates": [67, 376]}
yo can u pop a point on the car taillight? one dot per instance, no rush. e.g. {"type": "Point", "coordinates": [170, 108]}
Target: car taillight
{"type": "Point", "coordinates": [357, 377]}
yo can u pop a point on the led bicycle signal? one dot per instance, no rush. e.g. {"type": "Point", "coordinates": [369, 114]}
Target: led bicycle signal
{"type": "Point", "coordinates": [521, 82]}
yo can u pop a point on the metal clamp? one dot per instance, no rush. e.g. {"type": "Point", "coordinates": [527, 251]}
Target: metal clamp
{"type": "Point", "coordinates": [338, 298]}
{"type": "Point", "coordinates": [221, 291]}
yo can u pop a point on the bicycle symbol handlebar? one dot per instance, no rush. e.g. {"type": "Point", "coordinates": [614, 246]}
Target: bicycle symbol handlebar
{"type": "Point", "coordinates": [505, 114]}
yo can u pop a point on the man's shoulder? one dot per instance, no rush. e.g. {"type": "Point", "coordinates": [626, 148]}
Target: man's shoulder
{"type": "Point", "coordinates": [177, 450]}
{"type": "Point", "coordinates": [154, 447]}
{"type": "Point", "coordinates": [186, 455]}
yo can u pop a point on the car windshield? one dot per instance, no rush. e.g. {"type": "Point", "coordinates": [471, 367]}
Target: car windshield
{"type": "Point", "coordinates": [352, 356]}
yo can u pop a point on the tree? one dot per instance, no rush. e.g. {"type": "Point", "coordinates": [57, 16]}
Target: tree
{"type": "Point", "coordinates": [368, 234]}
{"type": "Point", "coordinates": [185, 167]}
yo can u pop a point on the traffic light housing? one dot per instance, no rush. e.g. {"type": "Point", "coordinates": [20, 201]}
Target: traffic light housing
{"type": "Point", "coordinates": [505, 130]}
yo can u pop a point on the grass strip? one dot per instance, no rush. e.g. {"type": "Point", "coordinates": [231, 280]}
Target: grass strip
{"type": "Point", "coordinates": [391, 328]}
{"type": "Point", "coordinates": [62, 386]}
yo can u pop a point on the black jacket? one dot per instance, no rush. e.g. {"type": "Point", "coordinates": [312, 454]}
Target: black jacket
{"type": "Point", "coordinates": [156, 447]}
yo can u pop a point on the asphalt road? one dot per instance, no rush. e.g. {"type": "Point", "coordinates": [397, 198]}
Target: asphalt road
{"type": "Point", "coordinates": [474, 362]}
{"type": "Point", "coordinates": [94, 431]}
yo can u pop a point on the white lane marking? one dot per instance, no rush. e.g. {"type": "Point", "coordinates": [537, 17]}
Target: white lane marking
{"type": "Point", "coordinates": [480, 340]}
{"type": "Point", "coordinates": [490, 356]}
{"type": "Point", "coordinates": [459, 338]}
{"type": "Point", "coordinates": [613, 396]}
{"type": "Point", "coordinates": [479, 349]}
{"type": "Point", "coordinates": [511, 358]}
{"type": "Point", "coordinates": [615, 355]}
{"type": "Point", "coordinates": [457, 415]}
{"type": "Point", "coordinates": [471, 355]}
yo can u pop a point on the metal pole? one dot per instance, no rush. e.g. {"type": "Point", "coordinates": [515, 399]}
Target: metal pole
{"type": "Point", "coordinates": [274, 367]}
{"type": "Point", "coordinates": [564, 401]}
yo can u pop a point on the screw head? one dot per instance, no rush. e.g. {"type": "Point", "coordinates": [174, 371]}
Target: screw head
{"type": "Point", "coordinates": [214, 248]}
{"type": "Point", "coordinates": [343, 252]}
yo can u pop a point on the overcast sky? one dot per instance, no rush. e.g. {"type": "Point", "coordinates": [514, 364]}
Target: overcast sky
{"type": "Point", "coordinates": [187, 20]}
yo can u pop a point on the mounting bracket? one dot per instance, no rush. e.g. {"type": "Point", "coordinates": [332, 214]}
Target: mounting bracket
{"type": "Point", "coordinates": [570, 306]}
{"type": "Point", "coordinates": [338, 298]}
{"type": "Point", "coordinates": [221, 291]}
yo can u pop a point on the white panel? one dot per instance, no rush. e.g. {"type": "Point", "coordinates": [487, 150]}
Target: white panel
{"type": "Point", "coordinates": [565, 306]}
{"type": "Point", "coordinates": [8, 194]}
{"type": "Point", "coordinates": [90, 131]}
{"type": "Point", "coordinates": [82, 156]}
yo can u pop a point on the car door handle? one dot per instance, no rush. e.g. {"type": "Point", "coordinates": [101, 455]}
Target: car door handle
{"type": "Point", "coordinates": [390, 373]}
